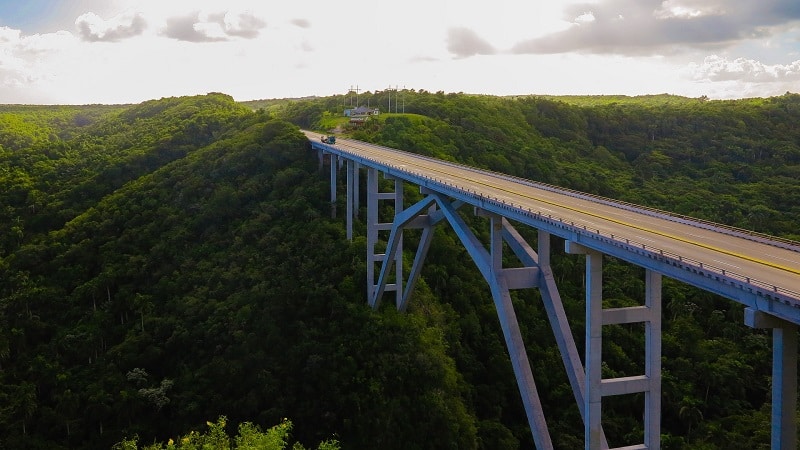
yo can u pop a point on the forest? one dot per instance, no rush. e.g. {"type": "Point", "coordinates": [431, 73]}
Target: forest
{"type": "Point", "coordinates": [171, 268]}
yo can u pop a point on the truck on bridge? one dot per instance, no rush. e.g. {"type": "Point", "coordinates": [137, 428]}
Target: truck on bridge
{"type": "Point", "coordinates": [328, 139]}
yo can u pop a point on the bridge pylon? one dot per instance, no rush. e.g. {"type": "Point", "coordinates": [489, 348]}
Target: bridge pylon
{"type": "Point", "coordinates": [784, 376]}
{"type": "Point", "coordinates": [595, 385]}
{"type": "Point", "coordinates": [393, 256]}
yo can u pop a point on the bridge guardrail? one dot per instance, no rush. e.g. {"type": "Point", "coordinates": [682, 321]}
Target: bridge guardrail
{"type": "Point", "coordinates": [729, 277]}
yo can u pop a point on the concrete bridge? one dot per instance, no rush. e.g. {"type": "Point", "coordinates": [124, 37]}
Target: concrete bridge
{"type": "Point", "coordinates": [761, 272]}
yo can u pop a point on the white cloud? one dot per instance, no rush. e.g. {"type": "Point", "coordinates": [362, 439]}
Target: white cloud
{"type": "Point", "coordinates": [26, 62]}
{"type": "Point", "coordinates": [9, 35]}
{"type": "Point", "coordinates": [687, 9]}
{"type": "Point", "coordinates": [20, 52]}
{"type": "Point", "coordinates": [587, 17]}
{"type": "Point", "coordinates": [722, 77]}
{"type": "Point", "coordinates": [302, 23]}
{"type": "Point", "coordinates": [716, 68]}
{"type": "Point", "coordinates": [242, 24]}
{"type": "Point", "coordinates": [464, 42]}
{"type": "Point", "coordinates": [213, 27]}
{"type": "Point", "coordinates": [191, 28]}
{"type": "Point", "coordinates": [93, 28]}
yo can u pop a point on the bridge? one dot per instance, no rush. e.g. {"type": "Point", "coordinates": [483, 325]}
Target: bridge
{"type": "Point", "coordinates": [761, 272]}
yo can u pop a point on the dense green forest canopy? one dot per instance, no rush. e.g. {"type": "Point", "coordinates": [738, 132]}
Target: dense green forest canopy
{"type": "Point", "coordinates": [168, 263]}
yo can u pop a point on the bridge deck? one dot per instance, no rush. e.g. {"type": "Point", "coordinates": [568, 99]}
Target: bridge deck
{"type": "Point", "coordinates": [771, 263]}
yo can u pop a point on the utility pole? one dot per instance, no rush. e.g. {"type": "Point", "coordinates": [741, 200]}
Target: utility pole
{"type": "Point", "coordinates": [389, 91]}
{"type": "Point", "coordinates": [356, 89]}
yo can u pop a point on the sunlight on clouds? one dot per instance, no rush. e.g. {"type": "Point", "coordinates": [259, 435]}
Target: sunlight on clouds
{"type": "Point", "coordinates": [717, 68]}
{"type": "Point", "coordinates": [686, 9]}
{"type": "Point", "coordinates": [587, 17]}
{"type": "Point", "coordinates": [210, 28]}
{"type": "Point", "coordinates": [721, 77]}
{"type": "Point", "coordinates": [25, 53]}
{"type": "Point", "coordinates": [9, 35]}
{"type": "Point", "coordinates": [40, 45]}
{"type": "Point", "coordinates": [29, 63]}
{"type": "Point", "coordinates": [243, 24]}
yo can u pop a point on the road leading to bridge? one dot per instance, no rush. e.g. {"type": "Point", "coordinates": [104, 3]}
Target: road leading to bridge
{"type": "Point", "coordinates": [763, 261]}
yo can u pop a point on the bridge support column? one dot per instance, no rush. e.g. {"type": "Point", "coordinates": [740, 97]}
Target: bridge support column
{"type": "Point", "coordinates": [784, 377]}
{"type": "Point", "coordinates": [652, 370]}
{"type": "Point", "coordinates": [592, 409]}
{"type": "Point", "coordinates": [352, 195]}
{"type": "Point", "coordinates": [595, 386]}
{"type": "Point", "coordinates": [356, 185]}
{"type": "Point", "coordinates": [373, 227]}
{"type": "Point", "coordinates": [372, 230]}
{"type": "Point", "coordinates": [351, 169]}
{"type": "Point", "coordinates": [334, 170]}
{"type": "Point", "coordinates": [557, 317]}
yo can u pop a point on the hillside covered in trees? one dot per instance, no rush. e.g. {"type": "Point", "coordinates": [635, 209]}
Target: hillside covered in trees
{"type": "Point", "coordinates": [172, 262]}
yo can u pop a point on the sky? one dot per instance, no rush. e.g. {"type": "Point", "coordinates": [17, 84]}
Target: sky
{"type": "Point", "coordinates": [128, 51]}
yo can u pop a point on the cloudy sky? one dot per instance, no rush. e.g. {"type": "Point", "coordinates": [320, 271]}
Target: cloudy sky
{"type": "Point", "coordinates": [124, 51]}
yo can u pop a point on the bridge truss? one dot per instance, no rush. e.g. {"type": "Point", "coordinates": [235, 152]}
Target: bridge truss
{"type": "Point", "coordinates": [766, 306]}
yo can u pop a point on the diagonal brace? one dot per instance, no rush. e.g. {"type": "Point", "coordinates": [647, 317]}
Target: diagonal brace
{"type": "Point", "coordinates": [416, 267]}
{"type": "Point", "coordinates": [489, 266]}
{"type": "Point", "coordinates": [553, 307]}
{"type": "Point", "coordinates": [401, 221]}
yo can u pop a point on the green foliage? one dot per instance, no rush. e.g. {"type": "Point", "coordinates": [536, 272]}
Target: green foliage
{"type": "Point", "coordinates": [188, 292]}
{"type": "Point", "coordinates": [249, 437]}
{"type": "Point", "coordinates": [172, 261]}
{"type": "Point", "coordinates": [305, 114]}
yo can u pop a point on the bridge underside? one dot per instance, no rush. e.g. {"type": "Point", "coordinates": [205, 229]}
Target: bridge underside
{"type": "Point", "coordinates": [385, 274]}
